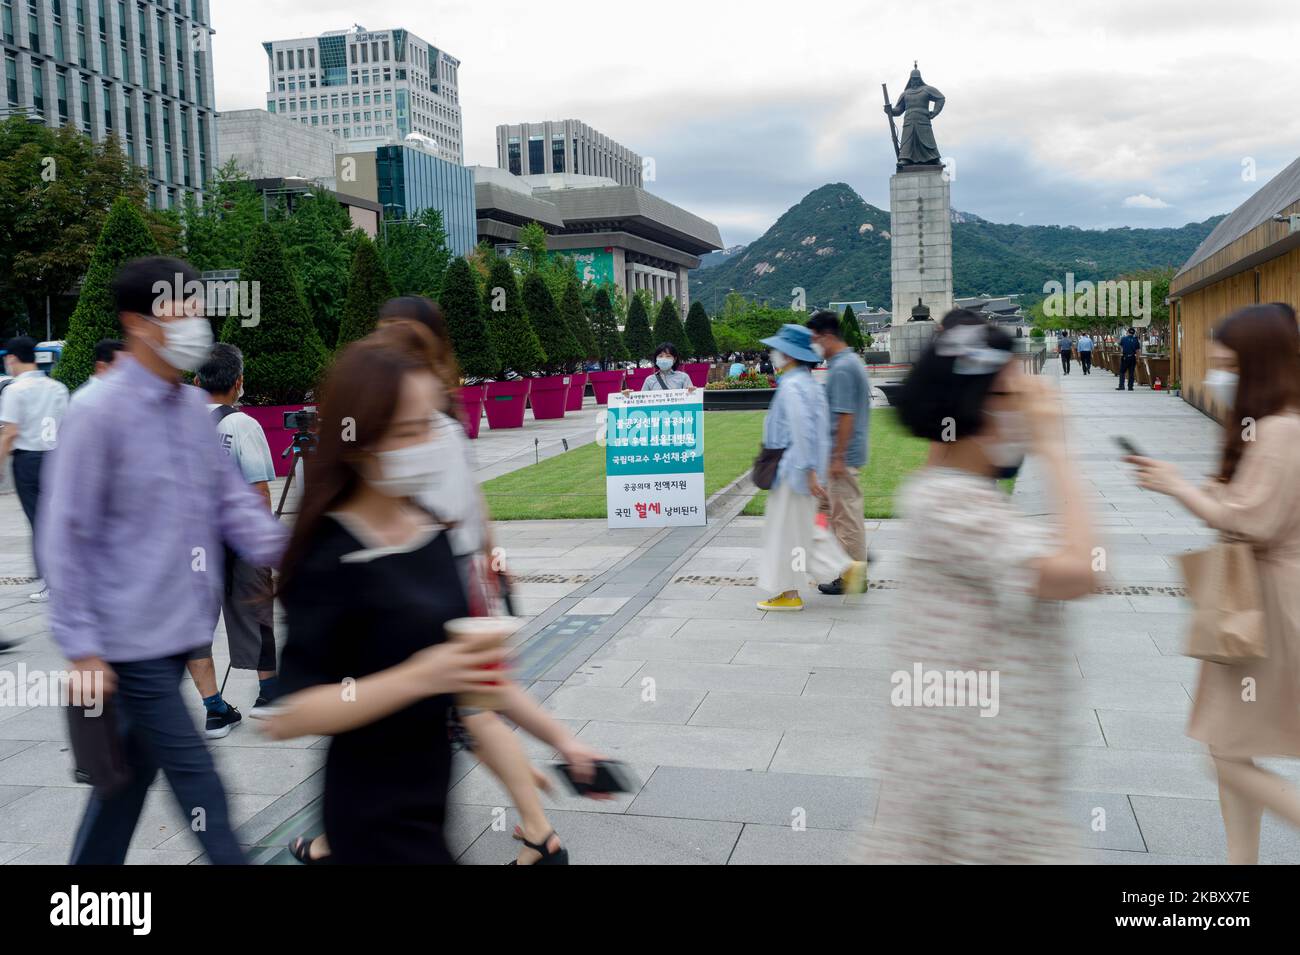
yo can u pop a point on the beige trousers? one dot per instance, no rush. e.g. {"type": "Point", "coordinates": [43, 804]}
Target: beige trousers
{"type": "Point", "coordinates": [845, 495]}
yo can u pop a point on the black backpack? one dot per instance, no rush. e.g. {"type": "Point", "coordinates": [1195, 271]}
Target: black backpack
{"type": "Point", "coordinates": [221, 412]}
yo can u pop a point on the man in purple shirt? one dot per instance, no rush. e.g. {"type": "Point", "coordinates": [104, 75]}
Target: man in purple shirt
{"type": "Point", "coordinates": [139, 501]}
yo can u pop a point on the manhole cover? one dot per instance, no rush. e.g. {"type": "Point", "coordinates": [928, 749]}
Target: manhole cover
{"type": "Point", "coordinates": [13, 581]}
{"type": "Point", "coordinates": [553, 579]}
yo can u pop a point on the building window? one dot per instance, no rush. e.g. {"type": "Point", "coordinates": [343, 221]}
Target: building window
{"type": "Point", "coordinates": [536, 158]}
{"type": "Point", "coordinates": [512, 150]}
{"type": "Point", "coordinates": [85, 105]}
{"type": "Point", "coordinates": [38, 88]}
{"type": "Point", "coordinates": [7, 12]}
{"type": "Point", "coordinates": [61, 81]}
{"type": "Point", "coordinates": [557, 153]}
{"type": "Point", "coordinates": [11, 80]}
{"type": "Point", "coordinates": [279, 60]}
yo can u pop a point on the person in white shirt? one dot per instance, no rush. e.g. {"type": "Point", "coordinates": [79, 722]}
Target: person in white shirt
{"type": "Point", "coordinates": [1084, 347]}
{"type": "Point", "coordinates": [105, 351]}
{"type": "Point", "coordinates": [31, 409]}
{"type": "Point", "coordinates": [246, 597]}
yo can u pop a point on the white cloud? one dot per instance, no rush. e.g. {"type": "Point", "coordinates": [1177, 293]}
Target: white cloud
{"type": "Point", "coordinates": [1143, 201]}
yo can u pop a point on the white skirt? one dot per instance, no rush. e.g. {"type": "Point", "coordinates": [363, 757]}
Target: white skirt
{"type": "Point", "coordinates": [795, 549]}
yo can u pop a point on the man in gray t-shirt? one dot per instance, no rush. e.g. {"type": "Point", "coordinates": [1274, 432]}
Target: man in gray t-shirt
{"type": "Point", "coordinates": [848, 392]}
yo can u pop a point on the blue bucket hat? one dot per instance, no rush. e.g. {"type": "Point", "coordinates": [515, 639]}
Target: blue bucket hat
{"type": "Point", "coordinates": [795, 341]}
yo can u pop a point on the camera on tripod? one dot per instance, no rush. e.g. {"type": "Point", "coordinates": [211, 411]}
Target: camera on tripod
{"type": "Point", "coordinates": [304, 425]}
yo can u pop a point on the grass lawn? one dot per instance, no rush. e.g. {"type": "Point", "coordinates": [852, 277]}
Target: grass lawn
{"type": "Point", "coordinates": [894, 454]}
{"type": "Point", "coordinates": [572, 485]}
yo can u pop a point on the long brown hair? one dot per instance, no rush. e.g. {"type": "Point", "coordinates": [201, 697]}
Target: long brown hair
{"type": "Point", "coordinates": [357, 402]}
{"type": "Point", "coordinates": [1266, 341]}
{"type": "Point", "coordinates": [417, 309]}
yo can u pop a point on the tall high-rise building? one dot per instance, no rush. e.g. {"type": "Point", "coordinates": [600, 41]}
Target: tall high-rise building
{"type": "Point", "coordinates": [140, 71]}
{"type": "Point", "coordinates": [565, 146]}
{"type": "Point", "coordinates": [374, 87]}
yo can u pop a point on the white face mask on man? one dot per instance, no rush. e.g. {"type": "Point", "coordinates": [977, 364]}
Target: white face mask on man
{"type": "Point", "coordinates": [186, 342]}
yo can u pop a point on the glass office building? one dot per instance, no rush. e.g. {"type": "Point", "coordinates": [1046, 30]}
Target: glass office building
{"type": "Point", "coordinates": [137, 70]}
{"type": "Point", "coordinates": [410, 180]}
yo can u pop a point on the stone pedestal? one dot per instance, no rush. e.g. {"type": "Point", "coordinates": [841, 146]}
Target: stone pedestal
{"type": "Point", "coordinates": [920, 253]}
{"type": "Point", "coordinates": [908, 341]}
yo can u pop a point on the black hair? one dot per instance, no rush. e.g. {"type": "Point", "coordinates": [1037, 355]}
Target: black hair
{"type": "Point", "coordinates": [22, 347]}
{"type": "Point", "coordinates": [106, 349]}
{"type": "Point", "coordinates": [221, 369]}
{"type": "Point", "coordinates": [961, 316]}
{"type": "Point", "coordinates": [417, 308]}
{"type": "Point", "coordinates": [935, 402]}
{"type": "Point", "coordinates": [135, 284]}
{"type": "Point", "coordinates": [671, 349]}
{"type": "Point", "coordinates": [825, 322]}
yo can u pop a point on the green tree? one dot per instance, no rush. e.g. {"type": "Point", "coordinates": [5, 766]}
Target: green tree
{"type": "Point", "coordinates": [668, 328]}
{"type": "Point", "coordinates": [575, 315]}
{"type": "Point", "coordinates": [416, 254]}
{"type": "Point", "coordinates": [218, 231]}
{"type": "Point", "coordinates": [532, 247]}
{"type": "Point", "coordinates": [125, 236]}
{"type": "Point", "coordinates": [283, 353]}
{"type": "Point", "coordinates": [851, 331]}
{"type": "Point", "coordinates": [637, 338]}
{"type": "Point", "coordinates": [56, 189]}
{"type": "Point", "coordinates": [462, 306]}
{"type": "Point", "coordinates": [553, 332]}
{"type": "Point", "coordinates": [513, 337]}
{"type": "Point", "coordinates": [700, 331]}
{"type": "Point", "coordinates": [319, 242]}
{"type": "Point", "coordinates": [604, 328]}
{"type": "Point", "coordinates": [369, 287]}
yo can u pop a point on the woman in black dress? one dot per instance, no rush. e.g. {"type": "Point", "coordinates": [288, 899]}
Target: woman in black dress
{"type": "Point", "coordinates": [368, 583]}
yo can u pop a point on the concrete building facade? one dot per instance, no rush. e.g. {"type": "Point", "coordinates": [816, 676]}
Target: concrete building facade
{"type": "Point", "coordinates": [565, 146]}
{"type": "Point", "coordinates": [268, 146]}
{"type": "Point", "coordinates": [138, 71]}
{"type": "Point", "coordinates": [368, 87]}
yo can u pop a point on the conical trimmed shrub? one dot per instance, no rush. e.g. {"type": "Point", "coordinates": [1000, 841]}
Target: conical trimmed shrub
{"type": "Point", "coordinates": [851, 331]}
{"type": "Point", "coordinates": [369, 287]}
{"type": "Point", "coordinates": [463, 309]}
{"type": "Point", "coordinates": [604, 328]}
{"type": "Point", "coordinates": [700, 331]}
{"type": "Point", "coordinates": [668, 328]}
{"type": "Point", "coordinates": [636, 331]}
{"type": "Point", "coordinates": [553, 331]}
{"type": "Point", "coordinates": [283, 353]}
{"type": "Point", "coordinates": [125, 236]}
{"type": "Point", "coordinates": [513, 337]}
{"type": "Point", "coordinates": [573, 312]}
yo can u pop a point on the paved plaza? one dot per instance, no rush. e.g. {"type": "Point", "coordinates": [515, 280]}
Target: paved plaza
{"type": "Point", "coordinates": [648, 644]}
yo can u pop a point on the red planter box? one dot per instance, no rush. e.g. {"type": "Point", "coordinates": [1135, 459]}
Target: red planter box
{"type": "Point", "coordinates": [548, 396]}
{"type": "Point", "coordinates": [605, 382]}
{"type": "Point", "coordinates": [505, 403]}
{"type": "Point", "coordinates": [577, 385]}
{"type": "Point", "coordinates": [699, 372]}
{"type": "Point", "coordinates": [471, 406]}
{"type": "Point", "coordinates": [636, 378]}
{"type": "Point", "coordinates": [271, 418]}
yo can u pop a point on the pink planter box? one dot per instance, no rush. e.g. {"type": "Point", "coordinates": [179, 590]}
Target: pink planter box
{"type": "Point", "coordinates": [548, 396]}
{"type": "Point", "coordinates": [577, 385]}
{"type": "Point", "coordinates": [471, 406]}
{"type": "Point", "coordinates": [505, 403]}
{"type": "Point", "coordinates": [603, 383]}
{"type": "Point", "coordinates": [637, 377]}
{"type": "Point", "coordinates": [271, 418]}
{"type": "Point", "coordinates": [699, 373]}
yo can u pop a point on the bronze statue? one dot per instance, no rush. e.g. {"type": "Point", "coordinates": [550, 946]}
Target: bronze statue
{"type": "Point", "coordinates": [916, 147]}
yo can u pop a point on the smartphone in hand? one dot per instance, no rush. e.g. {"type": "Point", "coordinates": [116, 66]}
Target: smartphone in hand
{"type": "Point", "coordinates": [1127, 446]}
{"type": "Point", "coordinates": [611, 777]}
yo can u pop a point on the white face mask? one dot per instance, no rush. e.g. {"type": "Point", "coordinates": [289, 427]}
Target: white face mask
{"type": "Point", "coordinates": [410, 471]}
{"type": "Point", "coordinates": [1222, 386]}
{"type": "Point", "coordinates": [779, 359]}
{"type": "Point", "coordinates": [818, 350]}
{"type": "Point", "coordinates": [1007, 451]}
{"type": "Point", "coordinates": [186, 342]}
{"type": "Point", "coordinates": [664, 363]}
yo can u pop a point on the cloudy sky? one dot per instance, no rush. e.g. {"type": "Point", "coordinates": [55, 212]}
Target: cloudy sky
{"type": "Point", "coordinates": [1103, 113]}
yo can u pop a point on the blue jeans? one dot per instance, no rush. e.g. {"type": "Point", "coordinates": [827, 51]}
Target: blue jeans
{"type": "Point", "coordinates": [158, 734]}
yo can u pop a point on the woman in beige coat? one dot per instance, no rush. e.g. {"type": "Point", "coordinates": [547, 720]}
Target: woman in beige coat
{"type": "Point", "coordinates": [1252, 709]}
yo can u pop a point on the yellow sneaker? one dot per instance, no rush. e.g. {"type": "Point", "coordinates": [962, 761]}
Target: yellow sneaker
{"type": "Point", "coordinates": [855, 578]}
{"type": "Point", "coordinates": [781, 603]}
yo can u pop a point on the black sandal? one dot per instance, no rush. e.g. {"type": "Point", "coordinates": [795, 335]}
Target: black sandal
{"type": "Point", "coordinates": [559, 857]}
{"type": "Point", "coordinates": [300, 849]}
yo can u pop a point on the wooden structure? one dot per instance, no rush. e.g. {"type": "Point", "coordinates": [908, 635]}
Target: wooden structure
{"type": "Point", "coordinates": [1252, 256]}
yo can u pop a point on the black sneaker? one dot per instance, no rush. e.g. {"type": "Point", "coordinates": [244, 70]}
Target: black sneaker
{"type": "Point", "coordinates": [220, 724]}
{"type": "Point", "coordinates": [263, 708]}
{"type": "Point", "coordinates": [834, 589]}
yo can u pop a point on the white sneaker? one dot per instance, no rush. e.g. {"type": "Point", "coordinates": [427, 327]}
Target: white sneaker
{"type": "Point", "coordinates": [42, 597]}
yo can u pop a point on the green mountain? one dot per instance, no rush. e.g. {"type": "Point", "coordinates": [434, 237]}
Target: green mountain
{"type": "Point", "coordinates": [835, 246]}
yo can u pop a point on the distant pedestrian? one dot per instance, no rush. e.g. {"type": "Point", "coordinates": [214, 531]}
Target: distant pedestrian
{"type": "Point", "coordinates": [798, 423]}
{"type": "Point", "coordinates": [1064, 346]}
{"type": "Point", "coordinates": [848, 395]}
{"type": "Point", "coordinates": [1084, 347]}
{"type": "Point", "coordinates": [1254, 376]}
{"type": "Point", "coordinates": [667, 375]}
{"type": "Point", "coordinates": [1129, 348]}
{"type": "Point", "coordinates": [141, 503]}
{"type": "Point", "coordinates": [105, 352]}
{"type": "Point", "coordinates": [246, 594]}
{"type": "Point", "coordinates": [31, 411]}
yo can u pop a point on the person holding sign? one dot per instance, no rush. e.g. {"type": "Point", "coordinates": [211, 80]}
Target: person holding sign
{"type": "Point", "coordinates": [798, 422]}
{"type": "Point", "coordinates": [666, 376]}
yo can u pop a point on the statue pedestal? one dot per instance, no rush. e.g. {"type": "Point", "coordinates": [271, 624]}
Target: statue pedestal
{"type": "Point", "coordinates": [920, 251]}
{"type": "Point", "coordinates": [909, 340]}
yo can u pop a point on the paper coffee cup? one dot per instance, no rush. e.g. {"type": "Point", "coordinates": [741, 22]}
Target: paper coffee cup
{"type": "Point", "coordinates": [492, 631]}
